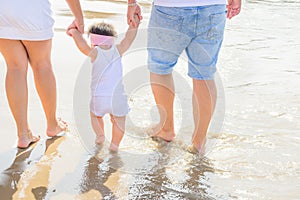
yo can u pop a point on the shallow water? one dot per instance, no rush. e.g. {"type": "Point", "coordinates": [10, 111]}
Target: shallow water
{"type": "Point", "coordinates": [253, 144]}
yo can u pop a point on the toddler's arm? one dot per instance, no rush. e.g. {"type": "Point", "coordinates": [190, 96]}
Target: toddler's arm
{"type": "Point", "coordinates": [129, 37]}
{"type": "Point", "coordinates": [80, 41]}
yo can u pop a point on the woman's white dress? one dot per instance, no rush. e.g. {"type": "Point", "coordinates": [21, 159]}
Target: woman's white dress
{"type": "Point", "coordinates": [26, 20]}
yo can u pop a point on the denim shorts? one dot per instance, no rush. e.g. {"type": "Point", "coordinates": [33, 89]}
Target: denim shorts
{"type": "Point", "coordinates": [197, 30]}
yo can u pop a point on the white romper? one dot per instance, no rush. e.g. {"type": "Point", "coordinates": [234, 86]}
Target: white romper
{"type": "Point", "coordinates": [26, 20]}
{"type": "Point", "coordinates": [107, 89]}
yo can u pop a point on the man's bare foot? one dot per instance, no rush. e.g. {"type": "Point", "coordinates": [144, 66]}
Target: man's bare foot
{"type": "Point", "coordinates": [193, 150]}
{"type": "Point", "coordinates": [27, 139]}
{"type": "Point", "coordinates": [157, 133]}
{"type": "Point", "coordinates": [197, 147]}
{"type": "Point", "coordinates": [60, 127]}
{"type": "Point", "coordinates": [100, 139]}
{"type": "Point", "coordinates": [113, 148]}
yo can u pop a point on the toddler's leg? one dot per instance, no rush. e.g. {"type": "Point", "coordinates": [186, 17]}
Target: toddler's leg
{"type": "Point", "coordinates": [98, 127]}
{"type": "Point", "coordinates": [118, 129]}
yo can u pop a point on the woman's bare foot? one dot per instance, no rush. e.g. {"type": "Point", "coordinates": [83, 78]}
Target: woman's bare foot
{"type": "Point", "coordinates": [60, 127]}
{"type": "Point", "coordinates": [27, 139]}
{"type": "Point", "coordinates": [157, 133]}
{"type": "Point", "coordinates": [100, 139]}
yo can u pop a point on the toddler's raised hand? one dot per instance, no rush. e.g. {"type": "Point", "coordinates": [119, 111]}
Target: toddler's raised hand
{"type": "Point", "coordinates": [137, 19]}
{"type": "Point", "coordinates": [71, 31]}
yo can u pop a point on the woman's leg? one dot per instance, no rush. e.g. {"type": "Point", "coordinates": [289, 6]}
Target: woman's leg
{"type": "Point", "coordinates": [39, 54]}
{"type": "Point", "coordinates": [98, 127]}
{"type": "Point", "coordinates": [16, 59]}
{"type": "Point", "coordinates": [118, 129]}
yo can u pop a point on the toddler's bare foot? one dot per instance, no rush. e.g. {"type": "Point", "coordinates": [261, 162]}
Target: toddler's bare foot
{"type": "Point", "coordinates": [27, 139]}
{"type": "Point", "coordinates": [113, 148]}
{"type": "Point", "coordinates": [100, 139]}
{"type": "Point", "coordinates": [60, 127]}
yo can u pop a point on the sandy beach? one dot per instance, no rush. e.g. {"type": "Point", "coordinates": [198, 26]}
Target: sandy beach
{"type": "Point", "coordinates": [253, 144]}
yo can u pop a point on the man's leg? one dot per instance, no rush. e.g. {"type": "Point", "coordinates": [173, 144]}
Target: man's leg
{"type": "Point", "coordinates": [203, 54]}
{"type": "Point", "coordinates": [204, 101]}
{"type": "Point", "coordinates": [167, 39]}
{"type": "Point", "coordinates": [163, 91]}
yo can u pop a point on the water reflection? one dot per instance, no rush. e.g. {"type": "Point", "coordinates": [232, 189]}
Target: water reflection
{"type": "Point", "coordinates": [151, 184]}
{"type": "Point", "coordinates": [176, 175]}
{"type": "Point", "coordinates": [10, 177]}
{"type": "Point", "coordinates": [43, 172]}
{"type": "Point", "coordinates": [97, 172]}
{"type": "Point", "coordinates": [198, 183]}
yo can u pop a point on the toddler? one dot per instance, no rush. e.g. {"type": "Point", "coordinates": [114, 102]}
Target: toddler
{"type": "Point", "coordinates": [107, 91]}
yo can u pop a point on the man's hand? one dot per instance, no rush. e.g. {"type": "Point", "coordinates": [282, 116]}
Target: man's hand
{"type": "Point", "coordinates": [233, 8]}
{"type": "Point", "coordinates": [131, 12]}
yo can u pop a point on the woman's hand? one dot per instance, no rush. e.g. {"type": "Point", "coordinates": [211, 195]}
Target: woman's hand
{"type": "Point", "coordinates": [76, 24]}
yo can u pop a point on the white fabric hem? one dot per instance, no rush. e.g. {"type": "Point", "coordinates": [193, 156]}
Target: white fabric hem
{"type": "Point", "coordinates": [19, 34]}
